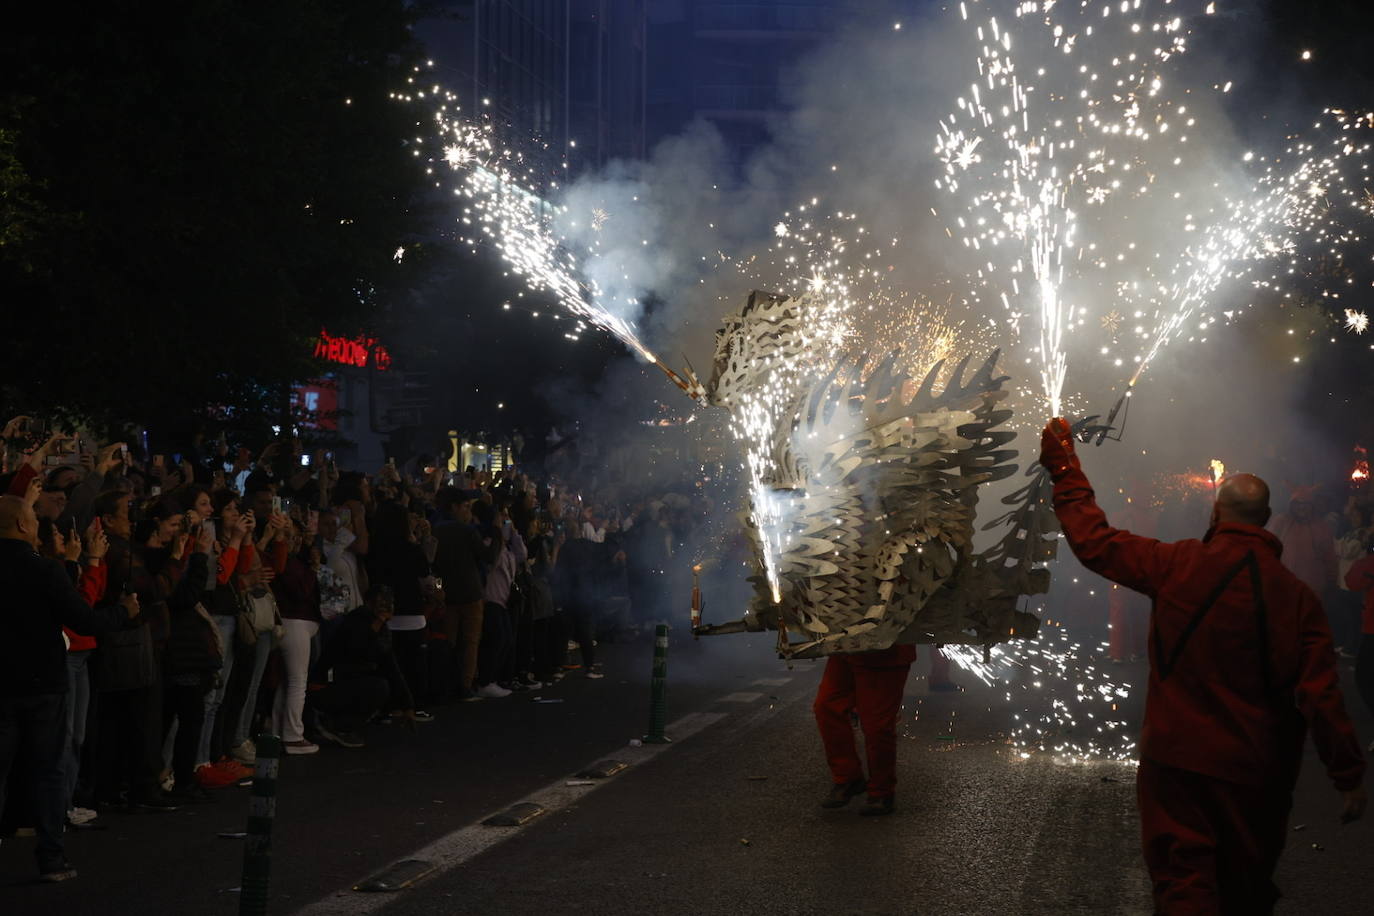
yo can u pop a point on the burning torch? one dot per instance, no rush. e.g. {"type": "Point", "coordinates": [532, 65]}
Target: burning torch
{"type": "Point", "coordinates": [1360, 475]}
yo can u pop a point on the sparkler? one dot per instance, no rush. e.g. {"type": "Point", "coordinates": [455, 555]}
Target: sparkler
{"type": "Point", "coordinates": [1075, 122]}
{"type": "Point", "coordinates": [1068, 704]}
{"type": "Point", "coordinates": [497, 186]}
{"type": "Point", "coordinates": [1048, 162]}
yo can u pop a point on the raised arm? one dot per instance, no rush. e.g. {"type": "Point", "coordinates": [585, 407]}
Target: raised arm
{"type": "Point", "coordinates": [1125, 558]}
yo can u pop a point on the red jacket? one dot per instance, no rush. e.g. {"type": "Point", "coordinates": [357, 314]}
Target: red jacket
{"type": "Point", "coordinates": [90, 584]}
{"type": "Point", "coordinates": [1241, 659]}
{"type": "Point", "coordinates": [1360, 578]}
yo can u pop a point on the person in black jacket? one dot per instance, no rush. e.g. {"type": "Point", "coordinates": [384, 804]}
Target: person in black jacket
{"type": "Point", "coordinates": [396, 560]}
{"type": "Point", "coordinates": [459, 561]}
{"type": "Point", "coordinates": [365, 674]}
{"type": "Point", "coordinates": [40, 599]}
{"type": "Point", "coordinates": [191, 660]}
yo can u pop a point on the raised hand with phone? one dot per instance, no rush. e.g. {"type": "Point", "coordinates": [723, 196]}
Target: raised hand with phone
{"type": "Point", "coordinates": [97, 544]}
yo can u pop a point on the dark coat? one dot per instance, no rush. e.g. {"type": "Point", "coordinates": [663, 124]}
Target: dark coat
{"type": "Point", "coordinates": [460, 559]}
{"type": "Point", "coordinates": [38, 600]}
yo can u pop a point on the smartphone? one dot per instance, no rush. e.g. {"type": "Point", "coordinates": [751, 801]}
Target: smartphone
{"type": "Point", "coordinates": [155, 490]}
{"type": "Point", "coordinates": [345, 518]}
{"type": "Point", "coordinates": [305, 461]}
{"type": "Point", "coordinates": [276, 505]}
{"type": "Point", "coordinates": [286, 504]}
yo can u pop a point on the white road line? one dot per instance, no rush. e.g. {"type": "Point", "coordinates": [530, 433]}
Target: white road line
{"type": "Point", "coordinates": [772, 682]}
{"type": "Point", "coordinates": [468, 842]}
{"type": "Point", "coordinates": [742, 696]}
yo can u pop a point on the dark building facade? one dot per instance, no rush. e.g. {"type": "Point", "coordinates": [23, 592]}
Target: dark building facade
{"type": "Point", "coordinates": [729, 62]}
{"type": "Point", "coordinates": [566, 73]}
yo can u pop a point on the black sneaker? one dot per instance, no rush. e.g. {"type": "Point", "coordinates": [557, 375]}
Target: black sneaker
{"type": "Point", "coordinates": [62, 871]}
{"type": "Point", "coordinates": [842, 792]}
{"type": "Point", "coordinates": [157, 802]}
{"type": "Point", "coordinates": [194, 794]}
{"type": "Point", "coordinates": [341, 738]}
{"type": "Point", "coordinates": [877, 807]}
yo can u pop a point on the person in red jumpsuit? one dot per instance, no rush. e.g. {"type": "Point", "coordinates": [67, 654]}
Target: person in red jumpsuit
{"type": "Point", "coordinates": [1241, 667]}
{"type": "Point", "coordinates": [871, 684]}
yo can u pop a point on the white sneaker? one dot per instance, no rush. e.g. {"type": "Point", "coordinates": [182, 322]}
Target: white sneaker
{"type": "Point", "coordinates": [573, 645]}
{"type": "Point", "coordinates": [492, 691]}
{"type": "Point", "coordinates": [80, 815]}
{"type": "Point", "coordinates": [246, 753]}
{"type": "Point", "coordinates": [301, 747]}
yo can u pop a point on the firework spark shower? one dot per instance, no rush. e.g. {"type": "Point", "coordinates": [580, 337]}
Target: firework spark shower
{"type": "Point", "coordinates": [1086, 176]}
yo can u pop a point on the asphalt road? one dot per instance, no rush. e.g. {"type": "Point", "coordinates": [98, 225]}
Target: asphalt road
{"type": "Point", "coordinates": [724, 820]}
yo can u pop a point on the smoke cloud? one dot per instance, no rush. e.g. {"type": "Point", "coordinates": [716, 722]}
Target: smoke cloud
{"type": "Point", "coordinates": [682, 238]}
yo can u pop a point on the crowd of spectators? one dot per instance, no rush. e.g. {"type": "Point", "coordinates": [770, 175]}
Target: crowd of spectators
{"type": "Point", "coordinates": [213, 595]}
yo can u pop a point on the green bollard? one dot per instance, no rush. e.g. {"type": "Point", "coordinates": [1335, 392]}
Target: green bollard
{"type": "Point", "coordinates": [257, 849]}
{"type": "Point", "coordinates": [658, 690]}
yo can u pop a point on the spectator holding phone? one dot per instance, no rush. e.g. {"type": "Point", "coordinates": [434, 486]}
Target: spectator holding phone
{"type": "Point", "coordinates": [90, 584]}
{"type": "Point", "coordinates": [33, 673]}
{"type": "Point", "coordinates": [192, 657]}
{"type": "Point", "coordinates": [235, 554]}
{"type": "Point", "coordinates": [298, 596]}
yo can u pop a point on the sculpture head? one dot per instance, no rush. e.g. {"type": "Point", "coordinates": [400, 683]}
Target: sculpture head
{"type": "Point", "coordinates": [751, 345]}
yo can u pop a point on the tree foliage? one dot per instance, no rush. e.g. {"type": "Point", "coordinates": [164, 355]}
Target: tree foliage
{"type": "Point", "coordinates": [189, 191]}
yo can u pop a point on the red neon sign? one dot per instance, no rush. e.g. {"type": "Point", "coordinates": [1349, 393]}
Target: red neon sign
{"type": "Point", "coordinates": [359, 352]}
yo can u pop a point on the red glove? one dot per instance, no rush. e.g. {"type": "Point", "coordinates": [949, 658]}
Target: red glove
{"type": "Point", "coordinates": [1056, 447]}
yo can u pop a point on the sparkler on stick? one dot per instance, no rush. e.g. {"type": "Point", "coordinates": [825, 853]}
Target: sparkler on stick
{"type": "Point", "coordinates": [1076, 120]}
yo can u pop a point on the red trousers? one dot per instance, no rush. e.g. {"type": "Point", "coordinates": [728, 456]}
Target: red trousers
{"type": "Point", "coordinates": [870, 683]}
{"type": "Point", "coordinates": [1211, 846]}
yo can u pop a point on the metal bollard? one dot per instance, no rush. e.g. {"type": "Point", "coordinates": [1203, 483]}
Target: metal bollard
{"type": "Point", "coordinates": [257, 849]}
{"type": "Point", "coordinates": [658, 690]}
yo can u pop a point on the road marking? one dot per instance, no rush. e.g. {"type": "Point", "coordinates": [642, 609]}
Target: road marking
{"type": "Point", "coordinates": [772, 682]}
{"type": "Point", "coordinates": [468, 842]}
{"type": "Point", "coordinates": [742, 696]}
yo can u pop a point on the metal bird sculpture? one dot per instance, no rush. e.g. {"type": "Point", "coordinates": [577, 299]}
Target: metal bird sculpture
{"type": "Point", "coordinates": [874, 488]}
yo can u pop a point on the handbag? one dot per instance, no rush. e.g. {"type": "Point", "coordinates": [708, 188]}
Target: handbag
{"type": "Point", "coordinates": [257, 614]}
